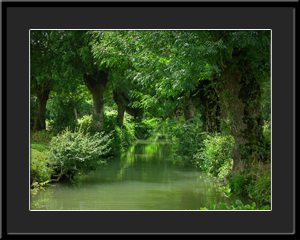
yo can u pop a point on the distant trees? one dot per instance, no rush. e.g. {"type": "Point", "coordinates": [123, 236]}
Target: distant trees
{"type": "Point", "coordinates": [235, 63]}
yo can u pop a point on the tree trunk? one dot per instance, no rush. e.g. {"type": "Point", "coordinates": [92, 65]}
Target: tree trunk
{"type": "Point", "coordinates": [96, 83]}
{"type": "Point", "coordinates": [135, 112]}
{"type": "Point", "coordinates": [76, 119]}
{"type": "Point", "coordinates": [211, 116]}
{"type": "Point", "coordinates": [189, 109]}
{"type": "Point", "coordinates": [243, 109]}
{"type": "Point", "coordinates": [178, 113]}
{"type": "Point", "coordinates": [121, 102]}
{"type": "Point", "coordinates": [40, 120]}
{"type": "Point", "coordinates": [121, 112]}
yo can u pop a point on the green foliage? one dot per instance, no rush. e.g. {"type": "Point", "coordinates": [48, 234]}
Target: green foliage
{"type": "Point", "coordinates": [40, 166]}
{"type": "Point", "coordinates": [85, 123]}
{"type": "Point", "coordinates": [227, 190]}
{"type": "Point", "coordinates": [238, 184]}
{"type": "Point", "coordinates": [266, 99]}
{"type": "Point", "coordinates": [215, 155]}
{"type": "Point", "coordinates": [122, 135]}
{"type": "Point", "coordinates": [238, 205]}
{"type": "Point", "coordinates": [259, 188]}
{"type": "Point", "coordinates": [144, 129]}
{"type": "Point", "coordinates": [61, 113]}
{"type": "Point", "coordinates": [33, 111]}
{"type": "Point", "coordinates": [187, 137]}
{"type": "Point", "coordinates": [254, 183]}
{"type": "Point", "coordinates": [39, 146]}
{"type": "Point", "coordinates": [155, 70]}
{"type": "Point", "coordinates": [38, 203]}
{"type": "Point", "coordinates": [76, 152]}
{"type": "Point", "coordinates": [36, 187]}
{"type": "Point", "coordinates": [43, 136]}
{"type": "Point", "coordinates": [267, 131]}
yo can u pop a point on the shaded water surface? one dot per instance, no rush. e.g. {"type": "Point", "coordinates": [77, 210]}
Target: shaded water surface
{"type": "Point", "coordinates": [146, 178]}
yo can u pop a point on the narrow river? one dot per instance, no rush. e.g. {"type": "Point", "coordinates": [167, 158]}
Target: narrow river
{"type": "Point", "coordinates": [146, 178]}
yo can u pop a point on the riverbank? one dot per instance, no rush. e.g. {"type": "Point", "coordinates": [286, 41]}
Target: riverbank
{"type": "Point", "coordinates": [146, 177]}
{"type": "Point", "coordinates": [212, 153]}
{"type": "Point", "coordinates": [255, 180]}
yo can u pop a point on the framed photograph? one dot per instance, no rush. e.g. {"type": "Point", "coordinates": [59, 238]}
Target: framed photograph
{"type": "Point", "coordinates": [147, 118]}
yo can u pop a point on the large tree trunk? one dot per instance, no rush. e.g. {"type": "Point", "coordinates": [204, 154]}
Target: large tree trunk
{"type": "Point", "coordinates": [96, 83]}
{"type": "Point", "coordinates": [121, 101]}
{"type": "Point", "coordinates": [121, 112]}
{"type": "Point", "coordinates": [40, 120]}
{"type": "Point", "coordinates": [189, 109]}
{"type": "Point", "coordinates": [243, 109]}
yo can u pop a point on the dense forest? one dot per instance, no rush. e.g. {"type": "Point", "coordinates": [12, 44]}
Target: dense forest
{"type": "Point", "coordinates": [93, 93]}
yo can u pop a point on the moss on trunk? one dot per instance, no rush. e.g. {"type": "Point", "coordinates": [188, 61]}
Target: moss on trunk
{"type": "Point", "coordinates": [235, 89]}
{"type": "Point", "coordinates": [189, 109]}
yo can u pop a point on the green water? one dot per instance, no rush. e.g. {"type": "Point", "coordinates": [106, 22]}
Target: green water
{"type": "Point", "coordinates": [146, 178]}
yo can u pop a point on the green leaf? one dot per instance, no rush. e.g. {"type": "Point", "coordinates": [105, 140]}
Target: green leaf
{"type": "Point", "coordinates": [238, 202]}
{"type": "Point", "coordinates": [213, 207]}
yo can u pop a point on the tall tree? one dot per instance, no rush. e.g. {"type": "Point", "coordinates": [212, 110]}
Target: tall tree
{"type": "Point", "coordinates": [76, 61]}
{"type": "Point", "coordinates": [41, 76]}
{"type": "Point", "coordinates": [108, 51]}
{"type": "Point", "coordinates": [243, 58]}
{"type": "Point", "coordinates": [175, 62]}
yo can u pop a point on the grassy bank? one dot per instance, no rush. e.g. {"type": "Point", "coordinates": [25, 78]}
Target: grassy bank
{"type": "Point", "coordinates": [40, 166]}
{"type": "Point", "coordinates": [212, 153]}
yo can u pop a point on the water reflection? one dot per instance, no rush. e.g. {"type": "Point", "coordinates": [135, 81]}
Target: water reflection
{"type": "Point", "coordinates": [143, 179]}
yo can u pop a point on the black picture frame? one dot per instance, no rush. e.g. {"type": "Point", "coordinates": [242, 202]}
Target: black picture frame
{"type": "Point", "coordinates": [19, 17]}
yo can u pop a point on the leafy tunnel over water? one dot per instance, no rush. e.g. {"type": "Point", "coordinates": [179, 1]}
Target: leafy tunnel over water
{"type": "Point", "coordinates": [146, 178]}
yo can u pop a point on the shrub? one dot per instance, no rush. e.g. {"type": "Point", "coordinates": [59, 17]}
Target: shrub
{"type": "Point", "coordinates": [188, 137]}
{"type": "Point", "coordinates": [77, 152]}
{"type": "Point", "coordinates": [259, 188]}
{"type": "Point", "coordinates": [85, 123]}
{"type": "Point", "coordinates": [40, 166]}
{"type": "Point", "coordinates": [144, 129]}
{"type": "Point", "coordinates": [238, 184]}
{"type": "Point", "coordinates": [215, 155]}
{"type": "Point", "coordinates": [60, 112]}
{"type": "Point", "coordinates": [35, 188]}
{"type": "Point", "coordinates": [122, 135]}
{"type": "Point", "coordinates": [238, 205]}
{"type": "Point", "coordinates": [44, 136]}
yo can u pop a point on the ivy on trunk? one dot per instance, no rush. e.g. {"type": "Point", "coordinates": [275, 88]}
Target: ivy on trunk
{"type": "Point", "coordinates": [239, 94]}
